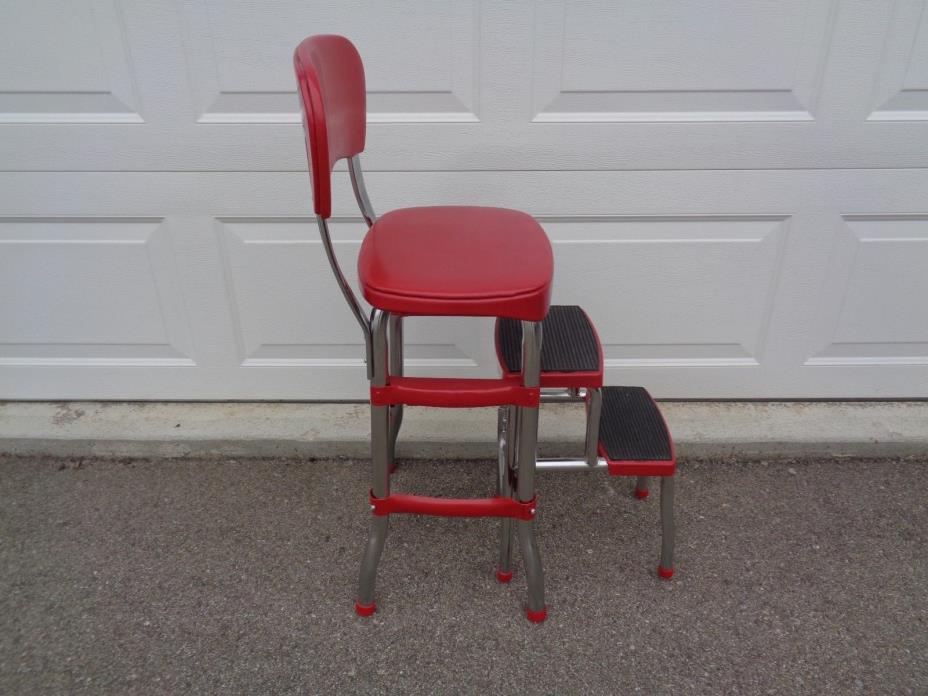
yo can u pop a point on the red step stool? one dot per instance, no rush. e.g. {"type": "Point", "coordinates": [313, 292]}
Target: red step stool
{"type": "Point", "coordinates": [468, 261]}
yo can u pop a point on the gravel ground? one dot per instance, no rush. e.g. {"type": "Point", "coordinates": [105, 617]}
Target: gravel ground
{"type": "Point", "coordinates": [237, 577]}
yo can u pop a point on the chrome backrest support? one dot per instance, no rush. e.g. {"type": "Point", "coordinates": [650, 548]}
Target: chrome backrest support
{"type": "Point", "coordinates": [347, 292]}
{"type": "Point", "coordinates": [367, 210]}
{"type": "Point", "coordinates": [360, 191]}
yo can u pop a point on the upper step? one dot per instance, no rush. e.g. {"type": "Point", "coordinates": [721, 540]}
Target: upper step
{"type": "Point", "coordinates": [571, 355]}
{"type": "Point", "coordinates": [633, 436]}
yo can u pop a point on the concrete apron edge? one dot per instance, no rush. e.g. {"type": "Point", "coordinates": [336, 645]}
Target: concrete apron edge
{"type": "Point", "coordinates": [750, 430]}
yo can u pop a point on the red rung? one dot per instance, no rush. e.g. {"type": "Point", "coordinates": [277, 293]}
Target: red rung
{"type": "Point", "coordinates": [454, 392]}
{"type": "Point", "coordinates": [453, 507]}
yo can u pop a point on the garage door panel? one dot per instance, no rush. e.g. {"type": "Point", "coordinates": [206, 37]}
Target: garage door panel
{"type": "Point", "coordinates": [872, 309]}
{"type": "Point", "coordinates": [90, 291]}
{"type": "Point", "coordinates": [687, 290]}
{"type": "Point", "coordinates": [65, 63]}
{"type": "Point", "coordinates": [283, 293]}
{"type": "Point", "coordinates": [646, 62]}
{"type": "Point", "coordinates": [901, 92]}
{"type": "Point", "coordinates": [420, 58]}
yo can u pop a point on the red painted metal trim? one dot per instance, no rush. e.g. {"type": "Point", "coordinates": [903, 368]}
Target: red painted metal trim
{"type": "Point", "coordinates": [453, 507]}
{"type": "Point", "coordinates": [527, 306]}
{"type": "Point", "coordinates": [536, 616]}
{"type": "Point", "coordinates": [666, 467]}
{"type": "Point", "coordinates": [647, 467]}
{"type": "Point", "coordinates": [454, 392]}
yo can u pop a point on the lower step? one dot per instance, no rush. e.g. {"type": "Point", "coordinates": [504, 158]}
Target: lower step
{"type": "Point", "coordinates": [633, 436]}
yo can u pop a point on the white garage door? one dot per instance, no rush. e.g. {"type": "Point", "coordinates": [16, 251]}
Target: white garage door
{"type": "Point", "coordinates": [736, 190]}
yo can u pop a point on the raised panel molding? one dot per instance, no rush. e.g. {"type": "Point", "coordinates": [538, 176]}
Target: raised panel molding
{"type": "Point", "coordinates": [421, 59]}
{"type": "Point", "coordinates": [901, 92]}
{"type": "Point", "coordinates": [871, 310]}
{"type": "Point", "coordinates": [90, 292]}
{"type": "Point", "coordinates": [82, 75]}
{"type": "Point", "coordinates": [697, 61]}
{"type": "Point", "coordinates": [288, 310]}
{"type": "Point", "coordinates": [671, 278]}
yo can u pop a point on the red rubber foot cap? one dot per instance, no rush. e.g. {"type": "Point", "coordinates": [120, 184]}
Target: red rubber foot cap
{"type": "Point", "coordinates": [642, 494]}
{"type": "Point", "coordinates": [393, 467]}
{"type": "Point", "coordinates": [365, 609]}
{"type": "Point", "coordinates": [537, 616]}
{"type": "Point", "coordinates": [503, 577]}
{"type": "Point", "coordinates": [665, 573]}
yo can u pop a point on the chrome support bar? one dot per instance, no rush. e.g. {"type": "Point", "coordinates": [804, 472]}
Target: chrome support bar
{"type": "Point", "coordinates": [380, 415]}
{"type": "Point", "coordinates": [380, 464]}
{"type": "Point", "coordinates": [504, 479]}
{"type": "Point", "coordinates": [347, 292]}
{"type": "Point", "coordinates": [395, 341]}
{"type": "Point", "coordinates": [594, 407]}
{"type": "Point", "coordinates": [569, 464]}
{"type": "Point", "coordinates": [562, 396]}
{"type": "Point", "coordinates": [668, 529]}
{"type": "Point", "coordinates": [360, 190]}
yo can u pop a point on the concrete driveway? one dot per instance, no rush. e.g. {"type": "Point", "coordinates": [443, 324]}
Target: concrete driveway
{"type": "Point", "coordinates": [237, 577]}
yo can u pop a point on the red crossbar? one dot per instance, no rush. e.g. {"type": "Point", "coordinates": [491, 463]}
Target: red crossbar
{"type": "Point", "coordinates": [454, 392]}
{"type": "Point", "coordinates": [453, 507]}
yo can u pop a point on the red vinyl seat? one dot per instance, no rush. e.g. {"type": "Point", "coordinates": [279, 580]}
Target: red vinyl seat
{"type": "Point", "coordinates": [457, 261]}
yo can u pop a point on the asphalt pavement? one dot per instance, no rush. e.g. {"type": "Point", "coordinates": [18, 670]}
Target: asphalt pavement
{"type": "Point", "coordinates": [238, 577]}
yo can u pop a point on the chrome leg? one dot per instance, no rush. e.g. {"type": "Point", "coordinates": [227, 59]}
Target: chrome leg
{"type": "Point", "coordinates": [667, 527]}
{"type": "Point", "coordinates": [641, 487]}
{"type": "Point", "coordinates": [395, 339]}
{"type": "Point", "coordinates": [380, 468]}
{"type": "Point", "coordinates": [527, 452]}
{"type": "Point", "coordinates": [372, 553]}
{"type": "Point", "coordinates": [594, 407]}
{"type": "Point", "coordinates": [507, 429]}
{"type": "Point", "coordinates": [528, 429]}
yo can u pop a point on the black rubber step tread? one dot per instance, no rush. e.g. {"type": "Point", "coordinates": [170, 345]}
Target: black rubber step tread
{"type": "Point", "coordinates": [568, 342]}
{"type": "Point", "coordinates": [631, 427]}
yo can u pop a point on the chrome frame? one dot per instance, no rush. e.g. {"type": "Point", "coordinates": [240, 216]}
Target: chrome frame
{"type": "Point", "coordinates": [517, 430]}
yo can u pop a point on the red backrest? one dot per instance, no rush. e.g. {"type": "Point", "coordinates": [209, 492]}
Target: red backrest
{"type": "Point", "coordinates": [330, 77]}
